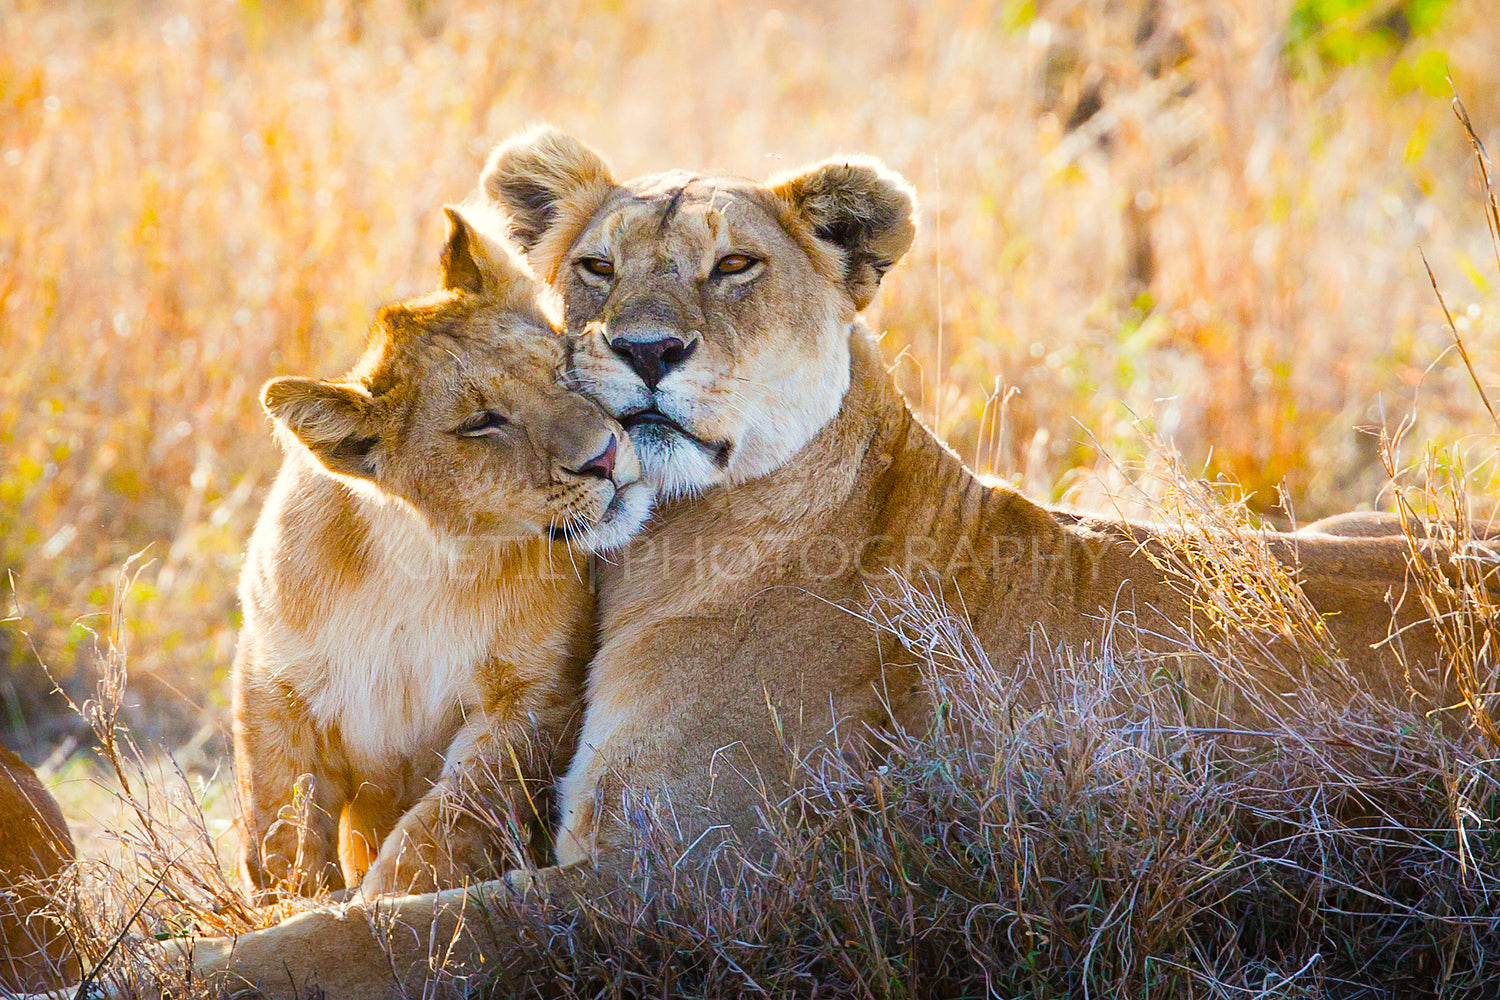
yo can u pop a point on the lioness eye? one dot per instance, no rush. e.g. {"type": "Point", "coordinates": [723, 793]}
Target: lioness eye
{"type": "Point", "coordinates": [734, 263]}
{"type": "Point", "coordinates": [597, 266]}
{"type": "Point", "coordinates": [482, 423]}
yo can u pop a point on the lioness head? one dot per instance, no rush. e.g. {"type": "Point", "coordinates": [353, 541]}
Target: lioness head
{"type": "Point", "coordinates": [710, 314]}
{"type": "Point", "coordinates": [456, 408]}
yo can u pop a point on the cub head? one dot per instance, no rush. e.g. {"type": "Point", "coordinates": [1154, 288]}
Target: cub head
{"type": "Point", "coordinates": [457, 408]}
{"type": "Point", "coordinates": [710, 314]}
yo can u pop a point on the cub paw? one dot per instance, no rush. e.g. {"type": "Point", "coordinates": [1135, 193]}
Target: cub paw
{"type": "Point", "coordinates": [404, 870]}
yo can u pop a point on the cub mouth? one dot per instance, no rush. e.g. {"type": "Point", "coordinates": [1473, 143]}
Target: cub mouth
{"type": "Point", "coordinates": [617, 507]}
{"type": "Point", "coordinates": [718, 451]}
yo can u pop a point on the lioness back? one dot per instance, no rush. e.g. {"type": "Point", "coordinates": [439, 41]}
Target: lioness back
{"type": "Point", "coordinates": [417, 609]}
{"type": "Point", "coordinates": [1378, 524]}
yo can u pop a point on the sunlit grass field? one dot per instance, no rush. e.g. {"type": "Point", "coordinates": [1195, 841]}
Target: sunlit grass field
{"type": "Point", "coordinates": [1198, 222]}
{"type": "Point", "coordinates": [202, 195]}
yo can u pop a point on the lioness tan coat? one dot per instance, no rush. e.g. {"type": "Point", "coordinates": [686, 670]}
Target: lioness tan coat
{"type": "Point", "coordinates": [717, 319]}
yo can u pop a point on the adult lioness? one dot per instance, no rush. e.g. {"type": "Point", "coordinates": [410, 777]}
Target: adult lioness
{"type": "Point", "coordinates": [717, 318]}
{"type": "Point", "coordinates": [414, 620]}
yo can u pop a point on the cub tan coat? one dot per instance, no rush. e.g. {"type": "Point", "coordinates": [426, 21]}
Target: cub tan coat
{"type": "Point", "coordinates": [412, 633]}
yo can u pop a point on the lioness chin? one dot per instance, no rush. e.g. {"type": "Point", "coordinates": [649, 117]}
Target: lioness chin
{"type": "Point", "coordinates": [416, 602]}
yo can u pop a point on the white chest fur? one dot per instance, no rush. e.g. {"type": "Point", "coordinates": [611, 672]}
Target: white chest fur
{"type": "Point", "coordinates": [392, 663]}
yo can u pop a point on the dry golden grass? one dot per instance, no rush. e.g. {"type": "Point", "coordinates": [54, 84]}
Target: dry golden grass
{"type": "Point", "coordinates": [199, 195]}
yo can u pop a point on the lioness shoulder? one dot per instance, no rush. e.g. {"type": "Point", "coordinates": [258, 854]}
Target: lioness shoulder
{"type": "Point", "coordinates": [416, 603]}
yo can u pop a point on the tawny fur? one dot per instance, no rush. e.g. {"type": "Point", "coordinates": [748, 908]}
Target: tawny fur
{"type": "Point", "coordinates": [1378, 524]}
{"type": "Point", "coordinates": [411, 631]}
{"type": "Point", "coordinates": [692, 657]}
{"type": "Point", "coordinates": [35, 848]}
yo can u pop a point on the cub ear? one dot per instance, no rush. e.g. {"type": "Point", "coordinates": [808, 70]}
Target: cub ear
{"type": "Point", "coordinates": [335, 422]}
{"type": "Point", "coordinates": [475, 262]}
{"type": "Point", "coordinates": [535, 174]}
{"type": "Point", "coordinates": [862, 207]}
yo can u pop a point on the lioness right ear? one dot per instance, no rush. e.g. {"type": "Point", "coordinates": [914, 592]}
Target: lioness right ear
{"type": "Point", "coordinates": [549, 185]}
{"type": "Point", "coordinates": [336, 422]}
{"type": "Point", "coordinates": [860, 206]}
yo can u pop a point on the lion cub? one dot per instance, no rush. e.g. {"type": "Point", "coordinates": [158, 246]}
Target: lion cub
{"type": "Point", "coordinates": [417, 615]}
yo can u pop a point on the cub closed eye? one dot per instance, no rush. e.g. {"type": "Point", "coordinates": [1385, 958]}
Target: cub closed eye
{"type": "Point", "coordinates": [481, 424]}
{"type": "Point", "coordinates": [597, 266]}
{"type": "Point", "coordinates": [735, 263]}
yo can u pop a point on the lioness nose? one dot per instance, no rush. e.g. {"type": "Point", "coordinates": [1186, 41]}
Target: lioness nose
{"type": "Point", "coordinates": [602, 465]}
{"type": "Point", "coordinates": [653, 360]}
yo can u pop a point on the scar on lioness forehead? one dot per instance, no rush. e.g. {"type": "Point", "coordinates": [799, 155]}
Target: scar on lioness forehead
{"type": "Point", "coordinates": [673, 204]}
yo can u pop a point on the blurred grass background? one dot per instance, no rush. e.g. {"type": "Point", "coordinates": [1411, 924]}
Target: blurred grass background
{"type": "Point", "coordinates": [1204, 213]}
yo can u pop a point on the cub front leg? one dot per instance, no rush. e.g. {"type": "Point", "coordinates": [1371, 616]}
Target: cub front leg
{"type": "Point", "coordinates": [491, 802]}
{"type": "Point", "coordinates": [290, 792]}
{"type": "Point", "coordinates": [368, 818]}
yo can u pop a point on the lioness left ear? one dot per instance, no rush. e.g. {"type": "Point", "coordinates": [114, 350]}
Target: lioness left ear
{"type": "Point", "coordinates": [860, 206]}
{"type": "Point", "coordinates": [548, 184]}
{"type": "Point", "coordinates": [475, 262]}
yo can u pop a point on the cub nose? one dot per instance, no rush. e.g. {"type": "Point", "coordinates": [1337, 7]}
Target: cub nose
{"type": "Point", "coordinates": [602, 465]}
{"type": "Point", "coordinates": [653, 360]}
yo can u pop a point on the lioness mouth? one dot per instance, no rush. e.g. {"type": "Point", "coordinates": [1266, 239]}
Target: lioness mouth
{"type": "Point", "coordinates": [718, 451]}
